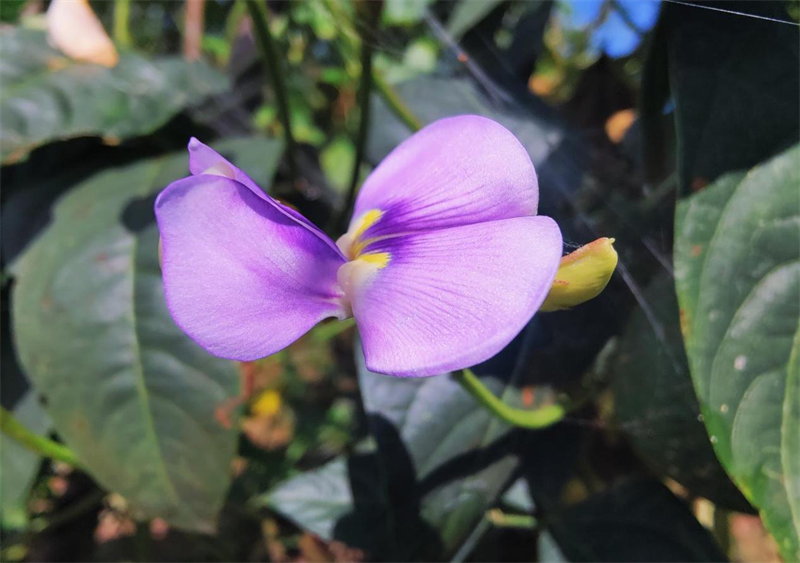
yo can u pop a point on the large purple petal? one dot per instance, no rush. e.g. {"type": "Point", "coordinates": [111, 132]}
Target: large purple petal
{"type": "Point", "coordinates": [436, 301]}
{"type": "Point", "coordinates": [456, 171]}
{"type": "Point", "coordinates": [241, 278]}
{"type": "Point", "coordinates": [205, 160]}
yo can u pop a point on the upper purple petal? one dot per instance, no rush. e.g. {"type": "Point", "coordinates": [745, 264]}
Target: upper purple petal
{"type": "Point", "coordinates": [456, 171]}
{"type": "Point", "coordinates": [435, 301]}
{"type": "Point", "coordinates": [205, 160]}
{"type": "Point", "coordinates": [242, 278]}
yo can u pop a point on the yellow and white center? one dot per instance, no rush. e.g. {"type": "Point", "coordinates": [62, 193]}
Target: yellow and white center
{"type": "Point", "coordinates": [362, 266]}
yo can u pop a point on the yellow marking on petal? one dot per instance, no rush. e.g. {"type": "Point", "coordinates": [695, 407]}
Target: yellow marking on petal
{"type": "Point", "coordinates": [367, 220]}
{"type": "Point", "coordinates": [582, 276]}
{"type": "Point", "coordinates": [354, 274]}
{"type": "Point", "coordinates": [351, 243]}
{"type": "Point", "coordinates": [380, 259]}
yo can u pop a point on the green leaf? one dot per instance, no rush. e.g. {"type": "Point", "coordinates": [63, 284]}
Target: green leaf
{"type": "Point", "coordinates": [20, 464]}
{"type": "Point", "coordinates": [438, 463]}
{"type": "Point", "coordinates": [467, 14]}
{"type": "Point", "coordinates": [404, 12]}
{"type": "Point", "coordinates": [735, 85]}
{"type": "Point", "coordinates": [132, 395]}
{"type": "Point", "coordinates": [635, 520]}
{"type": "Point", "coordinates": [655, 403]}
{"type": "Point", "coordinates": [737, 272]}
{"type": "Point", "coordinates": [10, 10]}
{"type": "Point", "coordinates": [344, 500]}
{"type": "Point", "coordinates": [44, 94]}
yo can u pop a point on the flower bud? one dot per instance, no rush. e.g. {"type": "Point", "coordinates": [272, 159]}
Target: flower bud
{"type": "Point", "coordinates": [583, 274]}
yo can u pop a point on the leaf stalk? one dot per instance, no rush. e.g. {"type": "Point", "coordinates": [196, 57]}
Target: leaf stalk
{"type": "Point", "coordinates": [17, 431]}
{"type": "Point", "coordinates": [269, 55]}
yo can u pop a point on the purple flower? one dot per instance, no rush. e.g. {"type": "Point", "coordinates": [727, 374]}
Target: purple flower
{"type": "Point", "coordinates": [444, 262]}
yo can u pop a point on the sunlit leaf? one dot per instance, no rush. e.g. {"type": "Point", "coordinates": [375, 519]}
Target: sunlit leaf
{"type": "Point", "coordinates": [127, 390]}
{"type": "Point", "coordinates": [47, 97]}
{"type": "Point", "coordinates": [737, 272]}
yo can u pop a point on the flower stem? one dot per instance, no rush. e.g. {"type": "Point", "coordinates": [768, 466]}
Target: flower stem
{"type": "Point", "coordinates": [395, 103]}
{"type": "Point", "coordinates": [372, 13]}
{"type": "Point", "coordinates": [385, 90]}
{"type": "Point", "coordinates": [502, 520]}
{"type": "Point", "coordinates": [533, 419]}
{"type": "Point", "coordinates": [14, 429]}
{"type": "Point", "coordinates": [324, 332]}
{"type": "Point", "coordinates": [122, 32]}
{"type": "Point", "coordinates": [259, 15]}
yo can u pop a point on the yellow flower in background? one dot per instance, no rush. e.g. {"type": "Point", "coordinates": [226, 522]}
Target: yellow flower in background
{"type": "Point", "coordinates": [75, 30]}
{"type": "Point", "coordinates": [267, 404]}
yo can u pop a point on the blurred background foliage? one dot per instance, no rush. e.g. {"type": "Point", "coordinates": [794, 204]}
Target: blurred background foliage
{"type": "Point", "coordinates": [667, 125]}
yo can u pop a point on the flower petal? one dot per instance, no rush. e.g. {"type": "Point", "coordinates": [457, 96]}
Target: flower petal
{"type": "Point", "coordinates": [456, 171]}
{"type": "Point", "coordinates": [436, 301]}
{"type": "Point", "coordinates": [205, 160]}
{"type": "Point", "coordinates": [241, 278]}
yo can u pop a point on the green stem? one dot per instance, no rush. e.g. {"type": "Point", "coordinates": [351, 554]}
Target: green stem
{"type": "Point", "coordinates": [269, 54]}
{"type": "Point", "coordinates": [501, 520]}
{"type": "Point", "coordinates": [69, 513]}
{"type": "Point", "coordinates": [722, 529]}
{"type": "Point", "coordinates": [538, 418]}
{"type": "Point", "coordinates": [396, 104]}
{"type": "Point", "coordinates": [325, 332]}
{"type": "Point", "coordinates": [122, 32]}
{"type": "Point", "coordinates": [235, 15]}
{"type": "Point", "coordinates": [384, 89]}
{"type": "Point", "coordinates": [373, 12]}
{"type": "Point", "coordinates": [14, 429]}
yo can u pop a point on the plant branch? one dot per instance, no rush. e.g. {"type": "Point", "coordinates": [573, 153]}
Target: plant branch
{"type": "Point", "coordinates": [122, 32]}
{"type": "Point", "coordinates": [372, 11]}
{"type": "Point", "coordinates": [194, 18]}
{"type": "Point", "coordinates": [269, 54]}
{"type": "Point", "coordinates": [14, 429]}
{"type": "Point", "coordinates": [385, 90]}
{"type": "Point", "coordinates": [500, 519]}
{"type": "Point", "coordinates": [541, 417]}
{"type": "Point", "coordinates": [396, 104]}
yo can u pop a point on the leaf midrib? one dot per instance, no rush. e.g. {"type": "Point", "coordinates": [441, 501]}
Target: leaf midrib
{"type": "Point", "coordinates": [145, 401]}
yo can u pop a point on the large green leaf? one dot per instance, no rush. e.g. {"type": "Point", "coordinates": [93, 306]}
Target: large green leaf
{"type": "Point", "coordinates": [46, 96]}
{"type": "Point", "coordinates": [635, 520]}
{"type": "Point", "coordinates": [655, 403]}
{"type": "Point", "coordinates": [737, 272]}
{"type": "Point", "coordinates": [19, 464]}
{"type": "Point", "coordinates": [438, 463]}
{"type": "Point", "coordinates": [126, 389]}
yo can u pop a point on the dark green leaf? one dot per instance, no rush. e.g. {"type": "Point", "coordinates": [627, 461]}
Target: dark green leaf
{"type": "Point", "coordinates": [19, 463]}
{"type": "Point", "coordinates": [10, 10]}
{"type": "Point", "coordinates": [132, 395]}
{"type": "Point", "coordinates": [735, 85]}
{"type": "Point", "coordinates": [636, 520]}
{"type": "Point", "coordinates": [441, 461]}
{"type": "Point", "coordinates": [655, 403]}
{"type": "Point", "coordinates": [48, 97]}
{"type": "Point", "coordinates": [737, 272]}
